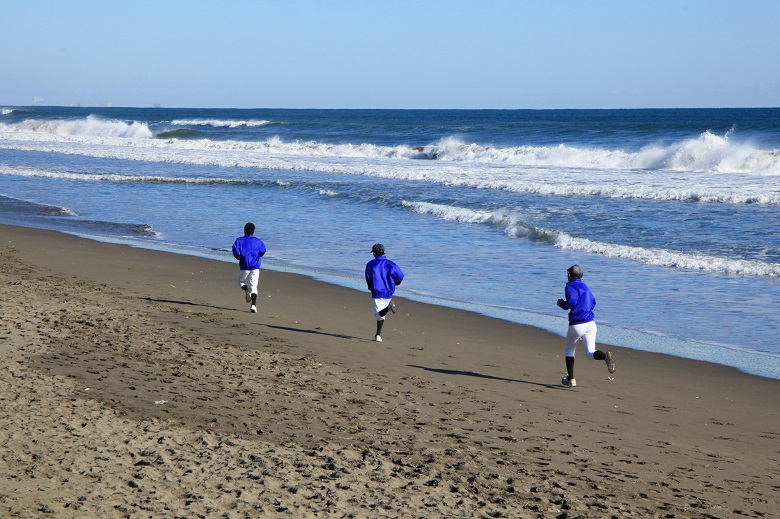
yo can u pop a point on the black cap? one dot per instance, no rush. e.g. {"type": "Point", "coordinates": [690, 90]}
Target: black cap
{"type": "Point", "coordinates": [378, 249]}
{"type": "Point", "coordinates": [575, 271]}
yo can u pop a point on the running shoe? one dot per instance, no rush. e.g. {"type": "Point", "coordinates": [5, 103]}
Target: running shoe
{"type": "Point", "coordinates": [610, 360]}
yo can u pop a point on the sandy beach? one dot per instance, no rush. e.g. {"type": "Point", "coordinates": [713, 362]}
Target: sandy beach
{"type": "Point", "coordinates": [135, 383]}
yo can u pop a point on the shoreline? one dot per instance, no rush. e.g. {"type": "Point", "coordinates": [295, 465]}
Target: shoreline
{"type": "Point", "coordinates": [155, 391]}
{"type": "Point", "coordinates": [744, 360]}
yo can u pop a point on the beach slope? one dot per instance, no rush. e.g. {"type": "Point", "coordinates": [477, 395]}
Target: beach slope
{"type": "Point", "coordinates": [135, 383]}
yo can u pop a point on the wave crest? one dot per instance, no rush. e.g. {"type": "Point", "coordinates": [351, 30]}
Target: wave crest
{"type": "Point", "coordinates": [91, 126]}
{"type": "Point", "coordinates": [219, 123]}
{"type": "Point", "coordinates": [707, 152]}
{"type": "Point", "coordinates": [514, 227]}
{"type": "Point", "coordinates": [667, 258]}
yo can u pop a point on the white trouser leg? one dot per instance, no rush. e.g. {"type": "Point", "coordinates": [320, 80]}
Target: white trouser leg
{"type": "Point", "coordinates": [585, 332]}
{"type": "Point", "coordinates": [379, 305]}
{"type": "Point", "coordinates": [250, 278]}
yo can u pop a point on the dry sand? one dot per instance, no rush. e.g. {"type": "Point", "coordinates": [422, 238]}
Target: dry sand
{"type": "Point", "coordinates": [136, 384]}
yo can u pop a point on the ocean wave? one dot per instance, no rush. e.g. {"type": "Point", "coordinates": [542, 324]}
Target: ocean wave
{"type": "Point", "coordinates": [90, 126]}
{"type": "Point", "coordinates": [516, 228]}
{"type": "Point", "coordinates": [156, 179]}
{"type": "Point", "coordinates": [183, 133]}
{"type": "Point", "coordinates": [98, 177]}
{"type": "Point", "coordinates": [218, 123]}
{"type": "Point", "coordinates": [53, 210]}
{"type": "Point", "coordinates": [19, 206]}
{"type": "Point", "coordinates": [113, 228]}
{"type": "Point", "coordinates": [668, 258]}
{"type": "Point", "coordinates": [510, 224]}
{"type": "Point", "coordinates": [707, 169]}
{"type": "Point", "coordinates": [633, 184]}
{"type": "Point", "coordinates": [705, 153]}
{"type": "Point", "coordinates": [7, 111]}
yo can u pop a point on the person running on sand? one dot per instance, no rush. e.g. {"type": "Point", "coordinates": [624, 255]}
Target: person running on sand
{"type": "Point", "coordinates": [248, 250]}
{"type": "Point", "coordinates": [580, 304]}
{"type": "Point", "coordinates": [382, 276]}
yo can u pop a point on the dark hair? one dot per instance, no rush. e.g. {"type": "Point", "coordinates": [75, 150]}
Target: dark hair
{"type": "Point", "coordinates": [249, 228]}
{"type": "Point", "coordinates": [575, 271]}
{"type": "Point", "coordinates": [378, 249]}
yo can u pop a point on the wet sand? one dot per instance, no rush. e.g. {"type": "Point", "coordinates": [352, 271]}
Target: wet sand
{"type": "Point", "coordinates": [135, 383]}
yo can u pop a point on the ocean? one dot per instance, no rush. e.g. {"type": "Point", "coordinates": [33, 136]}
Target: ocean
{"type": "Point", "coordinates": [674, 214]}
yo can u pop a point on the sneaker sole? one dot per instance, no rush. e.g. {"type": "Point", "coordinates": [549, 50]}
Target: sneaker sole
{"type": "Point", "coordinates": [610, 360]}
{"type": "Point", "coordinates": [392, 307]}
{"type": "Point", "coordinates": [248, 296]}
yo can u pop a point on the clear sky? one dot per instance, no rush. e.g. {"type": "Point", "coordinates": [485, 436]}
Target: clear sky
{"type": "Point", "coordinates": [391, 54]}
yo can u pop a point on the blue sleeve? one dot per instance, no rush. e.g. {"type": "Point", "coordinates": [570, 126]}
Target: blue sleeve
{"type": "Point", "coordinates": [261, 248]}
{"type": "Point", "coordinates": [398, 275]}
{"type": "Point", "coordinates": [571, 297]}
{"type": "Point", "coordinates": [236, 250]}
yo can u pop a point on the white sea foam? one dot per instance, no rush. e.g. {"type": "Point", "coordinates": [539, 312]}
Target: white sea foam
{"type": "Point", "coordinates": [638, 184]}
{"type": "Point", "coordinates": [515, 227]}
{"type": "Point", "coordinates": [92, 177]}
{"type": "Point", "coordinates": [7, 111]}
{"type": "Point", "coordinates": [60, 211]}
{"type": "Point", "coordinates": [707, 152]}
{"type": "Point", "coordinates": [91, 126]}
{"type": "Point", "coordinates": [219, 123]}
{"type": "Point", "coordinates": [667, 258]}
{"type": "Point", "coordinates": [709, 168]}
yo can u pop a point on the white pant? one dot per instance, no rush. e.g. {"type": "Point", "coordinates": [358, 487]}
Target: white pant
{"type": "Point", "coordinates": [379, 305]}
{"type": "Point", "coordinates": [586, 332]}
{"type": "Point", "coordinates": [250, 278]}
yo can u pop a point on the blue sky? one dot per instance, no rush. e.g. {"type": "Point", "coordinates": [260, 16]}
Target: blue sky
{"type": "Point", "coordinates": [391, 54]}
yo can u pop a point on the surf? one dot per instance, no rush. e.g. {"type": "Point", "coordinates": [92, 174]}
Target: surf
{"type": "Point", "coordinates": [220, 123]}
{"type": "Point", "coordinates": [513, 226]}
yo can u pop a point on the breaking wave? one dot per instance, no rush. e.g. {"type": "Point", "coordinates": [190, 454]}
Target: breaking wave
{"type": "Point", "coordinates": [182, 133]}
{"type": "Point", "coordinates": [90, 126]}
{"type": "Point", "coordinates": [18, 206]}
{"type": "Point", "coordinates": [709, 168]}
{"type": "Point", "coordinates": [514, 227]}
{"type": "Point", "coordinates": [218, 123]}
{"type": "Point", "coordinates": [706, 153]}
{"type": "Point", "coordinates": [93, 177]}
{"type": "Point", "coordinates": [668, 258]}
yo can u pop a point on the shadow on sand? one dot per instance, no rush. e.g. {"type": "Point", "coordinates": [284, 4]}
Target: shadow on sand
{"type": "Point", "coordinates": [184, 303]}
{"type": "Point", "coordinates": [302, 330]}
{"type": "Point", "coordinates": [481, 375]}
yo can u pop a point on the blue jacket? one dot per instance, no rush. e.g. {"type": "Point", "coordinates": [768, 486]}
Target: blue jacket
{"type": "Point", "coordinates": [248, 249]}
{"type": "Point", "coordinates": [382, 276]}
{"type": "Point", "coordinates": [579, 301]}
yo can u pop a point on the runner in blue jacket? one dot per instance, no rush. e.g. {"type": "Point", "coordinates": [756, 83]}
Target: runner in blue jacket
{"type": "Point", "coordinates": [582, 326]}
{"type": "Point", "coordinates": [248, 250]}
{"type": "Point", "coordinates": [382, 276]}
